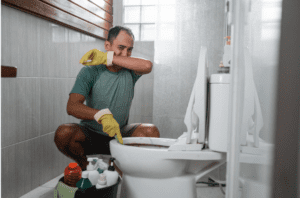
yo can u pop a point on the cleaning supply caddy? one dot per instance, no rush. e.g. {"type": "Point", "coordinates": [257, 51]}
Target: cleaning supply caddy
{"type": "Point", "coordinates": [90, 183]}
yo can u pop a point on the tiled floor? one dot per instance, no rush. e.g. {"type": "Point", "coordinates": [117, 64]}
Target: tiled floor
{"type": "Point", "coordinates": [47, 191]}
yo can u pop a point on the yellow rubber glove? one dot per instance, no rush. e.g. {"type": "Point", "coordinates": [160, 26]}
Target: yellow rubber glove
{"type": "Point", "coordinates": [111, 126]}
{"type": "Point", "coordinates": [96, 57]}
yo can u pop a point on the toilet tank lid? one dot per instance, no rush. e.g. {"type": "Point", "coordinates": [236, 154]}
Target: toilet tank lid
{"type": "Point", "coordinates": [220, 79]}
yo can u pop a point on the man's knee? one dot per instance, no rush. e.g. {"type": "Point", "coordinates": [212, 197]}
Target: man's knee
{"type": "Point", "coordinates": [63, 135]}
{"type": "Point", "coordinates": [66, 133]}
{"type": "Point", "coordinates": [147, 130]}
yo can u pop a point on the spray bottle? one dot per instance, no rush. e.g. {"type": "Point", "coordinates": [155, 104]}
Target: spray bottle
{"type": "Point", "coordinates": [100, 166]}
{"type": "Point", "coordinates": [111, 174]}
{"type": "Point", "coordinates": [84, 183]}
{"type": "Point", "coordinates": [101, 181]}
{"type": "Point", "coordinates": [93, 174]}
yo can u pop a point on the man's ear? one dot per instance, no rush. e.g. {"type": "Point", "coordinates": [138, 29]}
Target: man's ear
{"type": "Point", "coordinates": [107, 45]}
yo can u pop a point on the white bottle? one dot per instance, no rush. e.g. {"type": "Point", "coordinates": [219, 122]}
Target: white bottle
{"type": "Point", "coordinates": [101, 181]}
{"type": "Point", "coordinates": [101, 166]}
{"type": "Point", "coordinates": [93, 174]}
{"type": "Point", "coordinates": [111, 174]}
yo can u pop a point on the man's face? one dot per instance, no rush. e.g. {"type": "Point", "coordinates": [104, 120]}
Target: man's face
{"type": "Point", "coordinates": [122, 45]}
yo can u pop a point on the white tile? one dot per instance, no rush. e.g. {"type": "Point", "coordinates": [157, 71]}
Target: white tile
{"type": "Point", "coordinates": [20, 105]}
{"type": "Point", "coordinates": [53, 163]}
{"type": "Point", "coordinates": [6, 54]}
{"type": "Point", "coordinates": [28, 108]}
{"type": "Point", "coordinates": [9, 111]}
{"type": "Point", "coordinates": [8, 171]}
{"type": "Point", "coordinates": [28, 153]}
{"type": "Point", "coordinates": [147, 98]}
{"type": "Point", "coordinates": [166, 95]}
{"type": "Point", "coordinates": [169, 127]}
{"type": "Point", "coordinates": [47, 105]}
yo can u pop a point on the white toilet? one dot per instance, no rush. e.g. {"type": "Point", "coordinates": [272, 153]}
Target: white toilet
{"type": "Point", "coordinates": [170, 168]}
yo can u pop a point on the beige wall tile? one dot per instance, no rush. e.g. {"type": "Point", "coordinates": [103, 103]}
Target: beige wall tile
{"type": "Point", "coordinates": [8, 111]}
{"type": "Point", "coordinates": [20, 168]}
{"type": "Point", "coordinates": [47, 105]}
{"type": "Point", "coordinates": [21, 109]}
{"type": "Point", "coordinates": [9, 177]}
{"type": "Point", "coordinates": [53, 162]}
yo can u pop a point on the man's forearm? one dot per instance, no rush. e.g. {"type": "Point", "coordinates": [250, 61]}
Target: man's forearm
{"type": "Point", "coordinates": [81, 111]}
{"type": "Point", "coordinates": [135, 64]}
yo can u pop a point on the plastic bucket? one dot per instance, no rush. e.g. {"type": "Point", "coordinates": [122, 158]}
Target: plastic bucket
{"type": "Point", "coordinates": [108, 192]}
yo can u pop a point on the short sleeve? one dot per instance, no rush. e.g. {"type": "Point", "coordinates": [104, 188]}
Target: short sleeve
{"type": "Point", "coordinates": [84, 81]}
{"type": "Point", "coordinates": [135, 77]}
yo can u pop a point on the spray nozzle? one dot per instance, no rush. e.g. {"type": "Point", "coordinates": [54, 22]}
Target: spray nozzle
{"type": "Point", "coordinates": [111, 166]}
{"type": "Point", "coordinates": [90, 167]}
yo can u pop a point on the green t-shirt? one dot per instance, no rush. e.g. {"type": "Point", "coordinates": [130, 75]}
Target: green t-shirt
{"type": "Point", "coordinates": [105, 89]}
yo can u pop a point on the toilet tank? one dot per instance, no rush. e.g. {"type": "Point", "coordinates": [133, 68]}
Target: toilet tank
{"type": "Point", "coordinates": [218, 112]}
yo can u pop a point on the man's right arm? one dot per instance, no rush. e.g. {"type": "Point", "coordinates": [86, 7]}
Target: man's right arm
{"type": "Point", "coordinates": [76, 108]}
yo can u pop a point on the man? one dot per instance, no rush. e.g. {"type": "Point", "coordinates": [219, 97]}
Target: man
{"type": "Point", "coordinates": [108, 92]}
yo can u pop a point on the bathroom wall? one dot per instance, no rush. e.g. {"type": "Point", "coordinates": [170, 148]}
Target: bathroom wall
{"type": "Point", "coordinates": [182, 28]}
{"type": "Point", "coordinates": [142, 105]}
{"type": "Point", "coordinates": [34, 104]}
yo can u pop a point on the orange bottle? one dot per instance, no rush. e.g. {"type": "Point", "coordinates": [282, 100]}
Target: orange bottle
{"type": "Point", "coordinates": [72, 174]}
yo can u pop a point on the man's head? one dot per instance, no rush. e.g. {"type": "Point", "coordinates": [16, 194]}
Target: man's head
{"type": "Point", "coordinates": [114, 32]}
{"type": "Point", "coordinates": [120, 40]}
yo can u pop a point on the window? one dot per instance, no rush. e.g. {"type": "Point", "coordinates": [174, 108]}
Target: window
{"type": "Point", "coordinates": [271, 19]}
{"type": "Point", "coordinates": [140, 16]}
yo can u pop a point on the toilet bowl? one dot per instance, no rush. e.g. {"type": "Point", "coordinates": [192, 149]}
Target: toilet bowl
{"type": "Point", "coordinates": [170, 168]}
{"type": "Point", "coordinates": [150, 169]}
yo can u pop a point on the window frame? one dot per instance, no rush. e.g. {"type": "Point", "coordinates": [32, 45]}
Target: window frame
{"type": "Point", "coordinates": [140, 23]}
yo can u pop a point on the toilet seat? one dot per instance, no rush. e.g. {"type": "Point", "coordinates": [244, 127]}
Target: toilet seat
{"type": "Point", "coordinates": [165, 153]}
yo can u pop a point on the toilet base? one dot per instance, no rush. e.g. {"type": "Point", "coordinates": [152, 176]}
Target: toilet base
{"type": "Point", "coordinates": [175, 187]}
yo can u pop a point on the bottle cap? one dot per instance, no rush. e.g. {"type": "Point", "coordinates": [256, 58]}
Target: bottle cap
{"type": "Point", "coordinates": [73, 165]}
{"type": "Point", "coordinates": [85, 174]}
{"type": "Point", "coordinates": [111, 167]}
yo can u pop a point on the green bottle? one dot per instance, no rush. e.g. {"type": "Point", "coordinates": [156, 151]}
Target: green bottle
{"type": "Point", "coordinates": [84, 183]}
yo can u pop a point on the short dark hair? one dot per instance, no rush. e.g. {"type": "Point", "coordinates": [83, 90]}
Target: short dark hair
{"type": "Point", "coordinates": [114, 32]}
